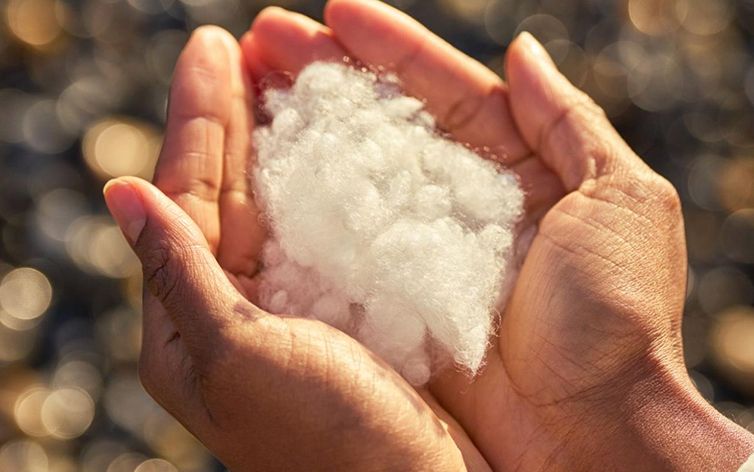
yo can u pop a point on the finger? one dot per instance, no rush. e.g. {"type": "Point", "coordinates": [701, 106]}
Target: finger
{"type": "Point", "coordinates": [286, 41]}
{"type": "Point", "coordinates": [252, 55]}
{"type": "Point", "coordinates": [563, 125]}
{"type": "Point", "coordinates": [472, 458]}
{"type": "Point", "coordinates": [190, 166]}
{"type": "Point", "coordinates": [241, 233]}
{"type": "Point", "coordinates": [179, 268]}
{"type": "Point", "coordinates": [542, 189]}
{"type": "Point", "coordinates": [284, 34]}
{"type": "Point", "coordinates": [468, 99]}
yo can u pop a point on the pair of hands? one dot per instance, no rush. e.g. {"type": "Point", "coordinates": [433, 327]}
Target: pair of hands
{"type": "Point", "coordinates": [586, 370]}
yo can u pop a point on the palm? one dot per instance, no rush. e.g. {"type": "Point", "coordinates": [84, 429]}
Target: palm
{"type": "Point", "coordinates": [205, 160]}
{"type": "Point", "coordinates": [470, 102]}
{"type": "Point", "coordinates": [204, 168]}
{"type": "Point", "coordinates": [535, 363]}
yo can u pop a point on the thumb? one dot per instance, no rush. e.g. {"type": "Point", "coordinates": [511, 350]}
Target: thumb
{"type": "Point", "coordinates": [569, 132]}
{"type": "Point", "coordinates": [178, 265]}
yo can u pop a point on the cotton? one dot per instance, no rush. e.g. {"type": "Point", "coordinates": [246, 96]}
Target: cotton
{"type": "Point", "coordinates": [379, 225]}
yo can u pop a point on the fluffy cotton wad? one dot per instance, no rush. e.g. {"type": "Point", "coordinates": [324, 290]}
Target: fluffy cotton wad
{"type": "Point", "coordinates": [380, 226]}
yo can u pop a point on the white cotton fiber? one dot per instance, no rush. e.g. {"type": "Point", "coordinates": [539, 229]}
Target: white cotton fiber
{"type": "Point", "coordinates": [380, 226]}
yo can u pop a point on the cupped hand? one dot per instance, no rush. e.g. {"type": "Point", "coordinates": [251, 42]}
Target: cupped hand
{"type": "Point", "coordinates": [587, 368]}
{"type": "Point", "coordinates": [260, 391]}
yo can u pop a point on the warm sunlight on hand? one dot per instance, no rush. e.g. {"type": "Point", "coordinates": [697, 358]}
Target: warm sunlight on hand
{"type": "Point", "coordinates": [591, 332]}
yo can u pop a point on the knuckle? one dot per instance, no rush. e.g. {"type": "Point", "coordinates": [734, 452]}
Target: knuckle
{"type": "Point", "coordinates": [163, 259]}
{"type": "Point", "coordinates": [584, 109]}
{"type": "Point", "coordinates": [666, 195]}
{"type": "Point", "coordinates": [593, 109]}
{"type": "Point", "coordinates": [579, 123]}
{"type": "Point", "coordinates": [157, 269]}
{"type": "Point", "coordinates": [462, 112]}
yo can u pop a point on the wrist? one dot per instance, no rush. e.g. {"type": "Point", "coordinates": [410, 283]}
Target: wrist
{"type": "Point", "coordinates": [659, 421]}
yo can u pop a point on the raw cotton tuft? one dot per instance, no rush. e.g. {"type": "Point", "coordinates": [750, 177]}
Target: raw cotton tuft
{"type": "Point", "coordinates": [380, 226]}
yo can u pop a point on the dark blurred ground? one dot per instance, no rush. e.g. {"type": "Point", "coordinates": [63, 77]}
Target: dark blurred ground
{"type": "Point", "coordinates": [82, 98]}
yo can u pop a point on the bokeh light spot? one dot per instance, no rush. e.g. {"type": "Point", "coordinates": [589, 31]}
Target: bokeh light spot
{"type": "Point", "coordinates": [655, 17]}
{"type": "Point", "coordinates": [156, 465]}
{"type": "Point", "coordinates": [33, 21]}
{"type": "Point", "coordinates": [67, 413]}
{"type": "Point", "coordinates": [115, 147]}
{"type": "Point", "coordinates": [23, 455]}
{"type": "Point", "coordinates": [25, 293]}
{"type": "Point", "coordinates": [732, 343]}
{"type": "Point", "coordinates": [737, 236]}
{"type": "Point", "coordinates": [28, 411]}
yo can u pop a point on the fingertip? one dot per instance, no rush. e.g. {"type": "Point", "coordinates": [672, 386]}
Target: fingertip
{"type": "Point", "coordinates": [530, 46]}
{"type": "Point", "coordinates": [252, 57]}
{"type": "Point", "coordinates": [201, 87]}
{"type": "Point", "coordinates": [527, 59]}
{"type": "Point", "coordinates": [345, 15]}
{"type": "Point", "coordinates": [337, 10]}
{"type": "Point", "coordinates": [246, 40]}
{"type": "Point", "coordinates": [211, 35]}
{"type": "Point", "coordinates": [332, 11]}
{"type": "Point", "coordinates": [537, 89]}
{"type": "Point", "coordinates": [270, 18]}
{"type": "Point", "coordinates": [248, 45]}
{"type": "Point", "coordinates": [147, 193]}
{"type": "Point", "coordinates": [287, 41]}
{"type": "Point", "coordinates": [203, 44]}
{"type": "Point", "coordinates": [557, 119]}
{"type": "Point", "coordinates": [126, 205]}
{"type": "Point", "coordinates": [276, 24]}
{"type": "Point", "coordinates": [206, 40]}
{"type": "Point", "coordinates": [126, 179]}
{"type": "Point", "coordinates": [270, 24]}
{"type": "Point", "coordinates": [108, 185]}
{"type": "Point", "coordinates": [201, 52]}
{"type": "Point", "coordinates": [512, 55]}
{"type": "Point", "coordinates": [118, 182]}
{"type": "Point", "coordinates": [376, 33]}
{"type": "Point", "coordinates": [134, 201]}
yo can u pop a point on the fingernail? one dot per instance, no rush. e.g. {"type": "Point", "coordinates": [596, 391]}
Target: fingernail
{"type": "Point", "coordinates": [535, 48]}
{"type": "Point", "coordinates": [127, 208]}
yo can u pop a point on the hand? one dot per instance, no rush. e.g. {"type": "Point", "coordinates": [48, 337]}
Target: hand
{"type": "Point", "coordinates": [261, 392]}
{"type": "Point", "coordinates": [587, 371]}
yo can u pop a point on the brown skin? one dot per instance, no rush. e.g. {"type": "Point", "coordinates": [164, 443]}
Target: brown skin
{"type": "Point", "coordinates": [587, 369]}
{"type": "Point", "coordinates": [263, 393]}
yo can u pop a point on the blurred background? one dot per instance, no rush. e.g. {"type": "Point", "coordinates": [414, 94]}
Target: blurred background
{"type": "Point", "coordinates": [83, 87]}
